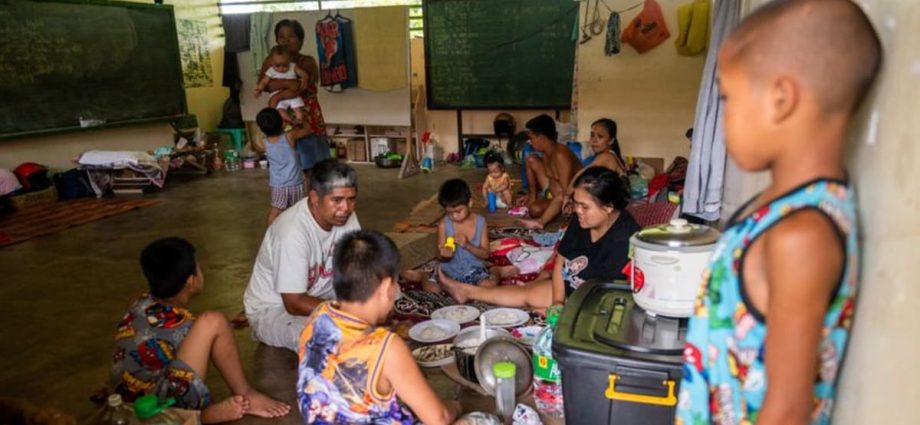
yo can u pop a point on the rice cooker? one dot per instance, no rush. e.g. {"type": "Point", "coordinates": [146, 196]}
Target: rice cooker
{"type": "Point", "coordinates": [667, 266]}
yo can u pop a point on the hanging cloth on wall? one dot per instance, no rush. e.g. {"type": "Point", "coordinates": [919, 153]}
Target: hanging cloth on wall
{"type": "Point", "coordinates": [693, 28]}
{"type": "Point", "coordinates": [706, 172]}
{"type": "Point", "coordinates": [612, 46]}
{"type": "Point", "coordinates": [647, 30]}
{"type": "Point", "coordinates": [332, 48]}
{"type": "Point", "coordinates": [260, 25]}
{"type": "Point", "coordinates": [346, 27]}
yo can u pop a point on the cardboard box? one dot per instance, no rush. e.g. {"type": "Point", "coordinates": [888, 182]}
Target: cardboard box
{"type": "Point", "coordinates": [357, 150]}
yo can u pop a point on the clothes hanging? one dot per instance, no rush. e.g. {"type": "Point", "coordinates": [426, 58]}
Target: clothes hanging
{"type": "Point", "coordinates": [333, 49]}
{"type": "Point", "coordinates": [612, 46]}
{"type": "Point", "coordinates": [706, 173]}
{"type": "Point", "coordinates": [259, 26]}
{"type": "Point", "coordinates": [236, 32]}
{"type": "Point", "coordinates": [693, 28]}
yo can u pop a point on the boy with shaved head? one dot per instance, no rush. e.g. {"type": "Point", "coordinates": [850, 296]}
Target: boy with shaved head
{"type": "Point", "coordinates": [771, 324]}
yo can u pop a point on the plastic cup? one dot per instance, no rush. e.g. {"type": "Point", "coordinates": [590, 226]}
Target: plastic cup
{"type": "Point", "coordinates": [492, 207]}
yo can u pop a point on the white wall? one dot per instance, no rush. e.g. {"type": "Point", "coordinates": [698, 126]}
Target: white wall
{"type": "Point", "coordinates": [651, 96]}
{"type": "Point", "coordinates": [881, 380]}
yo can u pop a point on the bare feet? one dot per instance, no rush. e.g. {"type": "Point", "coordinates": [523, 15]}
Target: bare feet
{"type": "Point", "coordinates": [506, 271]}
{"type": "Point", "coordinates": [228, 409]}
{"type": "Point", "coordinates": [266, 407]}
{"type": "Point", "coordinates": [413, 275]}
{"type": "Point", "coordinates": [433, 287]}
{"type": "Point", "coordinates": [454, 288]}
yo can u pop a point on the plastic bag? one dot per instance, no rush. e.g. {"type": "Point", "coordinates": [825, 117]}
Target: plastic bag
{"type": "Point", "coordinates": [647, 29]}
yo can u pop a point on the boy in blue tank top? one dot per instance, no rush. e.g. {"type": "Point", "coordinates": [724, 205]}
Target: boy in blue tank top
{"type": "Point", "coordinates": [769, 332]}
{"type": "Point", "coordinates": [284, 174]}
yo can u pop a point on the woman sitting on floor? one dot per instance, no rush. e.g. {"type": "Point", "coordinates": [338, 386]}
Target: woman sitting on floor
{"type": "Point", "coordinates": [595, 246]}
{"type": "Point", "coordinates": [607, 154]}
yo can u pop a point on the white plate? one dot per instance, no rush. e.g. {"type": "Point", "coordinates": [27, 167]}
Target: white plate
{"type": "Point", "coordinates": [526, 334]}
{"type": "Point", "coordinates": [457, 313]}
{"type": "Point", "coordinates": [434, 330]}
{"type": "Point", "coordinates": [447, 350]}
{"type": "Point", "coordinates": [505, 317]}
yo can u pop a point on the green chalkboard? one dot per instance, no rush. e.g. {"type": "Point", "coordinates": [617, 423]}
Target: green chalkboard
{"type": "Point", "coordinates": [495, 54]}
{"type": "Point", "coordinates": [109, 63]}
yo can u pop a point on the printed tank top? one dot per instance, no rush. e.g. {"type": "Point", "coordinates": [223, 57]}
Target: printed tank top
{"type": "Point", "coordinates": [725, 379]}
{"type": "Point", "coordinates": [341, 360]}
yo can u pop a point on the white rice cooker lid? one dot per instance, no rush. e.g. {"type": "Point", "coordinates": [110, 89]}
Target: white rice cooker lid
{"type": "Point", "coordinates": [676, 234]}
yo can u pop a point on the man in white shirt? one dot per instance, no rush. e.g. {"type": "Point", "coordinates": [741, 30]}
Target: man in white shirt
{"type": "Point", "coordinates": [293, 270]}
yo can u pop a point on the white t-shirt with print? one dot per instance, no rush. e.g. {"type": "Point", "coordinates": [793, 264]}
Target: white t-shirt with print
{"type": "Point", "coordinates": [295, 258]}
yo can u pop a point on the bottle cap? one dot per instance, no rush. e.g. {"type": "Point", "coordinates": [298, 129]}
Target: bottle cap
{"type": "Point", "coordinates": [114, 400]}
{"type": "Point", "coordinates": [504, 370]}
{"type": "Point", "coordinates": [552, 315]}
{"type": "Point", "coordinates": [149, 406]}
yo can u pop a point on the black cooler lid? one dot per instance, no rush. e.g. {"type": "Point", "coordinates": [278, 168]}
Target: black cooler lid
{"type": "Point", "coordinates": [602, 315]}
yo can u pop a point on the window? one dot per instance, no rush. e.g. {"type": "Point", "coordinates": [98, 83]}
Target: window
{"type": "Point", "coordinates": [250, 6]}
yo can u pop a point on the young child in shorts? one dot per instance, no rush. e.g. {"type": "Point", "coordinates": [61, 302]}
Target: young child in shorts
{"type": "Point", "coordinates": [463, 238]}
{"type": "Point", "coordinates": [767, 340]}
{"type": "Point", "coordinates": [162, 348]}
{"type": "Point", "coordinates": [284, 172]}
{"type": "Point", "coordinates": [351, 369]}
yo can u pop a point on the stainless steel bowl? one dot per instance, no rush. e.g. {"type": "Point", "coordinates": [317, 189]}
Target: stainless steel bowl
{"type": "Point", "coordinates": [466, 357]}
{"type": "Point", "coordinates": [504, 349]}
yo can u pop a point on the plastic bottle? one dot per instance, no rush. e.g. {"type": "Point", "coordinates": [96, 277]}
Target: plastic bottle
{"type": "Point", "coordinates": [117, 412]}
{"type": "Point", "coordinates": [505, 399]}
{"type": "Point", "coordinates": [150, 411]}
{"type": "Point", "coordinates": [525, 152]}
{"type": "Point", "coordinates": [547, 381]}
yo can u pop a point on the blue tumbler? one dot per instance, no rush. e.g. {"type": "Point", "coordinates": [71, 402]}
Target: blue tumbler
{"type": "Point", "coordinates": [491, 196]}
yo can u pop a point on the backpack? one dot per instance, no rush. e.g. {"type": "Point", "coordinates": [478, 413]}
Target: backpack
{"type": "Point", "coordinates": [32, 176]}
{"type": "Point", "coordinates": [73, 184]}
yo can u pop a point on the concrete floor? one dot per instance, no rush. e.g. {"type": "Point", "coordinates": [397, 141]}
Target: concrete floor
{"type": "Point", "coordinates": [62, 294]}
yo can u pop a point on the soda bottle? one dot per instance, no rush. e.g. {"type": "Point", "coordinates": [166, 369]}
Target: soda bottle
{"type": "Point", "coordinates": [117, 412]}
{"type": "Point", "coordinates": [547, 381]}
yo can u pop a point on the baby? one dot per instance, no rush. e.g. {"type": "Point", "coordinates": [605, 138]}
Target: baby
{"type": "Point", "coordinates": [497, 181]}
{"type": "Point", "coordinates": [284, 69]}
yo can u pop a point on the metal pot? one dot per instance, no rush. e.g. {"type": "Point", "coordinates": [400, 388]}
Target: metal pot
{"type": "Point", "coordinates": [668, 264]}
{"type": "Point", "coordinates": [466, 357]}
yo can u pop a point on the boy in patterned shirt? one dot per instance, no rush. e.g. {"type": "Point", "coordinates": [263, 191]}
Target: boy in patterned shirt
{"type": "Point", "coordinates": [769, 333]}
{"type": "Point", "coordinates": [161, 348]}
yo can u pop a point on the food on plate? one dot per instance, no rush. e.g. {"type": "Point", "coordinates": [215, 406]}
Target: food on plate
{"type": "Point", "coordinates": [502, 318]}
{"type": "Point", "coordinates": [432, 353]}
{"type": "Point", "coordinates": [434, 332]}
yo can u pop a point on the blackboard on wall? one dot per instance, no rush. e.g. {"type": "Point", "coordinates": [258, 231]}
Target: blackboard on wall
{"type": "Point", "coordinates": [114, 62]}
{"type": "Point", "coordinates": [497, 54]}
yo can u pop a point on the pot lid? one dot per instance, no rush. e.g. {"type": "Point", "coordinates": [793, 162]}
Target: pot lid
{"type": "Point", "coordinates": [503, 349]}
{"type": "Point", "coordinates": [679, 233]}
